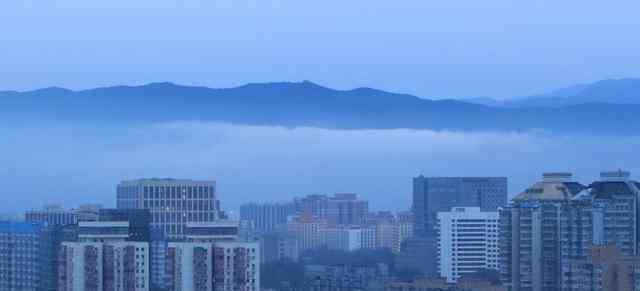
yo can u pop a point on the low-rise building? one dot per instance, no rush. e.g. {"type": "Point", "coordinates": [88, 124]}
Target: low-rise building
{"type": "Point", "coordinates": [345, 278]}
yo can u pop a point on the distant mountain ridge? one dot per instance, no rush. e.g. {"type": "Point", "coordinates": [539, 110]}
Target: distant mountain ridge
{"type": "Point", "coordinates": [616, 91]}
{"type": "Point", "coordinates": [293, 104]}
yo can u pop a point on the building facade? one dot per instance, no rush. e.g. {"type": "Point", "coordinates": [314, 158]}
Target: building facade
{"type": "Point", "coordinates": [97, 266]}
{"type": "Point", "coordinates": [345, 278]}
{"type": "Point", "coordinates": [467, 242]}
{"type": "Point", "coordinates": [212, 258]}
{"type": "Point", "coordinates": [530, 234]}
{"type": "Point", "coordinates": [266, 216]}
{"type": "Point", "coordinates": [434, 194]}
{"type": "Point", "coordinates": [342, 238]}
{"type": "Point", "coordinates": [306, 232]}
{"type": "Point", "coordinates": [25, 257]}
{"type": "Point", "coordinates": [104, 258]}
{"type": "Point", "coordinates": [342, 208]}
{"type": "Point", "coordinates": [52, 215]}
{"type": "Point", "coordinates": [279, 245]}
{"type": "Point", "coordinates": [172, 202]}
{"type": "Point", "coordinates": [605, 213]}
{"type": "Point", "coordinates": [604, 268]}
{"type": "Point", "coordinates": [158, 249]}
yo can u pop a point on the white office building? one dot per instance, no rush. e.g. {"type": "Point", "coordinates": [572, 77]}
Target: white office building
{"type": "Point", "coordinates": [467, 241]}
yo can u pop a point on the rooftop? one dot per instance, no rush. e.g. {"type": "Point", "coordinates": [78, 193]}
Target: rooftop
{"type": "Point", "coordinates": [553, 187]}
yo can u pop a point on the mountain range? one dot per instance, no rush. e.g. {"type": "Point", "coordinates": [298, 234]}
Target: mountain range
{"type": "Point", "coordinates": [616, 91]}
{"type": "Point", "coordinates": [609, 106]}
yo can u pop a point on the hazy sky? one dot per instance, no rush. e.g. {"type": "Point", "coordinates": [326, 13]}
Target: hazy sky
{"type": "Point", "coordinates": [447, 48]}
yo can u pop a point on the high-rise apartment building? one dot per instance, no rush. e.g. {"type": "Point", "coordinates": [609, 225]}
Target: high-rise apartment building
{"type": "Point", "coordinates": [530, 234]}
{"type": "Point", "coordinates": [172, 202]}
{"type": "Point", "coordinates": [96, 266]}
{"type": "Point", "coordinates": [434, 194]}
{"type": "Point", "coordinates": [266, 216]}
{"type": "Point", "coordinates": [213, 259]}
{"type": "Point", "coordinates": [467, 242]}
{"type": "Point", "coordinates": [104, 259]}
{"type": "Point", "coordinates": [605, 213]}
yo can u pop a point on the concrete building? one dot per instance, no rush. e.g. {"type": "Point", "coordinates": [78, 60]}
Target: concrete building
{"type": "Point", "coordinates": [441, 285]}
{"type": "Point", "coordinates": [158, 248]}
{"type": "Point", "coordinates": [530, 234]}
{"type": "Point", "coordinates": [139, 221]}
{"type": "Point", "coordinates": [278, 245]}
{"type": "Point", "coordinates": [266, 216]}
{"type": "Point", "coordinates": [26, 255]}
{"type": "Point", "coordinates": [434, 194]}
{"type": "Point", "coordinates": [467, 242]}
{"type": "Point", "coordinates": [215, 231]}
{"type": "Point", "coordinates": [345, 278]}
{"type": "Point", "coordinates": [97, 266]}
{"type": "Point", "coordinates": [306, 232]}
{"type": "Point", "coordinates": [213, 259]}
{"type": "Point", "coordinates": [342, 208]}
{"type": "Point", "coordinates": [603, 214]}
{"type": "Point", "coordinates": [386, 230]}
{"type": "Point", "coordinates": [341, 238]}
{"type": "Point", "coordinates": [419, 253]}
{"type": "Point", "coordinates": [88, 212]}
{"type": "Point", "coordinates": [369, 236]}
{"type": "Point", "coordinates": [346, 208]}
{"type": "Point", "coordinates": [52, 215]}
{"type": "Point", "coordinates": [104, 259]}
{"type": "Point", "coordinates": [604, 268]}
{"type": "Point", "coordinates": [172, 202]}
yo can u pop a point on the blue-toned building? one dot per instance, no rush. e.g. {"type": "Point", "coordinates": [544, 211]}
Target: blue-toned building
{"type": "Point", "coordinates": [26, 257]}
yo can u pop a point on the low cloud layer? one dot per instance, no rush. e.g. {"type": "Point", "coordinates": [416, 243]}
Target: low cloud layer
{"type": "Point", "coordinates": [73, 164]}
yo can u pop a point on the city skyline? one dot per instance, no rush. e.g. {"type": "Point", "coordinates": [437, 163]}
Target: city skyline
{"type": "Point", "coordinates": [286, 145]}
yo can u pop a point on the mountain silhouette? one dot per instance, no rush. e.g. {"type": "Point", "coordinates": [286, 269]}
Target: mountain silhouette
{"type": "Point", "coordinates": [616, 91]}
{"type": "Point", "coordinates": [293, 104]}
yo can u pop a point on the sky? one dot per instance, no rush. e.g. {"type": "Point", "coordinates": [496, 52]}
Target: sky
{"type": "Point", "coordinates": [433, 49]}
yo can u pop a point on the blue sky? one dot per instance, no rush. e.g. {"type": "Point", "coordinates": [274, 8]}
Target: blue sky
{"type": "Point", "coordinates": [433, 49]}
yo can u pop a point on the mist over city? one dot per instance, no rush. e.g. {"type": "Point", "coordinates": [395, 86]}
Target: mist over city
{"type": "Point", "coordinates": [281, 145]}
{"type": "Point", "coordinates": [76, 163]}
